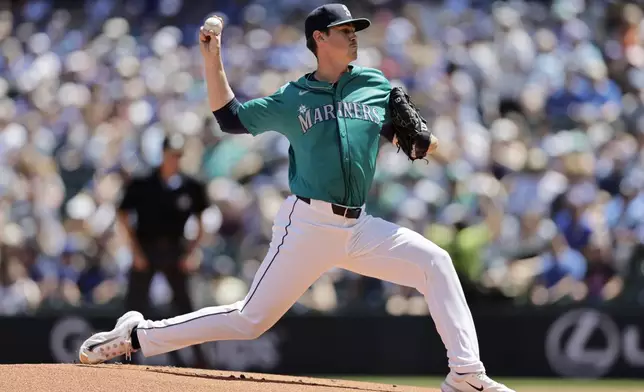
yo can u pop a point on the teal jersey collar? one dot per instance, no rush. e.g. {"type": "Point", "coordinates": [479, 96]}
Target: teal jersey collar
{"type": "Point", "coordinates": [308, 82]}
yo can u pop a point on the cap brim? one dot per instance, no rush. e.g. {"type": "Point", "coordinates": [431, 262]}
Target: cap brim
{"type": "Point", "coordinates": [359, 23]}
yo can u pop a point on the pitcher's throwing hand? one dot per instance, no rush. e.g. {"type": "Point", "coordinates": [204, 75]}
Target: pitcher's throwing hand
{"type": "Point", "coordinates": [210, 37]}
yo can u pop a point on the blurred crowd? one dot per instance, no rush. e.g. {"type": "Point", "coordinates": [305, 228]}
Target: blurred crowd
{"type": "Point", "coordinates": [536, 190]}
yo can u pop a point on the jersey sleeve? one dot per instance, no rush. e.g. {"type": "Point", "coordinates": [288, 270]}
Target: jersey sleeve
{"type": "Point", "coordinates": [260, 115]}
{"type": "Point", "coordinates": [381, 91]}
{"type": "Point", "coordinates": [385, 85]}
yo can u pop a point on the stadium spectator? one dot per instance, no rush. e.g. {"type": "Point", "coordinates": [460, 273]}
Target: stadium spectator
{"type": "Point", "coordinates": [538, 106]}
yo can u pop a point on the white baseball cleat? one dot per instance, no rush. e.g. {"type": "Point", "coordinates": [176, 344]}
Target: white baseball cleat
{"type": "Point", "coordinates": [472, 382]}
{"type": "Point", "coordinates": [104, 346]}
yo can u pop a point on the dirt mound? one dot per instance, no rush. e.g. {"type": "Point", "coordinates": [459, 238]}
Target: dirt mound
{"type": "Point", "coordinates": [117, 378]}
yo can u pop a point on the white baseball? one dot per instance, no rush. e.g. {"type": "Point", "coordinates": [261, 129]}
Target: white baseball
{"type": "Point", "coordinates": [213, 24]}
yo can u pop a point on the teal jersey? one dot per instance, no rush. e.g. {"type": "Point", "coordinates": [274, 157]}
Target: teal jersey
{"type": "Point", "coordinates": [333, 130]}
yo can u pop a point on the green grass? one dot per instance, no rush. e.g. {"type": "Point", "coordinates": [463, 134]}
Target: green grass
{"type": "Point", "coordinates": [520, 384]}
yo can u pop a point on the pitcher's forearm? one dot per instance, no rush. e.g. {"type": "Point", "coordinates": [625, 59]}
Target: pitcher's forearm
{"type": "Point", "coordinates": [219, 91]}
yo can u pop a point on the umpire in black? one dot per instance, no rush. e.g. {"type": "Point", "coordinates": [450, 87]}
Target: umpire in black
{"type": "Point", "coordinates": [154, 211]}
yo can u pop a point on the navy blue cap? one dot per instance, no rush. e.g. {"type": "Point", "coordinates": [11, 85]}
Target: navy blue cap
{"type": "Point", "coordinates": [330, 15]}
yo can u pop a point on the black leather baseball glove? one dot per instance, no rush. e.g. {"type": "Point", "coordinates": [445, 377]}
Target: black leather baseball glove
{"type": "Point", "coordinates": [410, 128]}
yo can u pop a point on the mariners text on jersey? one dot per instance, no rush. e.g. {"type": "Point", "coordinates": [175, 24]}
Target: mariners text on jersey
{"type": "Point", "coordinates": [310, 117]}
{"type": "Point", "coordinates": [333, 130]}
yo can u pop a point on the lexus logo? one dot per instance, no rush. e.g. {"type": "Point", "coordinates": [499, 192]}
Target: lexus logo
{"type": "Point", "coordinates": [568, 344]}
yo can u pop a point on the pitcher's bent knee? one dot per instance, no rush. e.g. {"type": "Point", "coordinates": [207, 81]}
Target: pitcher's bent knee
{"type": "Point", "coordinates": [256, 330]}
{"type": "Point", "coordinates": [438, 262]}
{"type": "Point", "coordinates": [442, 258]}
{"type": "Point", "coordinates": [251, 328]}
{"type": "Point", "coordinates": [433, 256]}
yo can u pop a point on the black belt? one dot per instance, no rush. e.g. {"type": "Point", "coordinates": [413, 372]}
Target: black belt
{"type": "Point", "coordinates": [347, 212]}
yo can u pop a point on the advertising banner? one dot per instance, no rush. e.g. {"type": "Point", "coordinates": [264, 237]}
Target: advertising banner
{"type": "Point", "coordinates": [580, 342]}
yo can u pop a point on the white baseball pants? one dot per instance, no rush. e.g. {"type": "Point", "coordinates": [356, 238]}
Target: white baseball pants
{"type": "Point", "coordinates": [308, 240]}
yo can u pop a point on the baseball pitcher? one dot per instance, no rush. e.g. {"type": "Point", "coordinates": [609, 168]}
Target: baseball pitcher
{"type": "Point", "coordinates": [333, 118]}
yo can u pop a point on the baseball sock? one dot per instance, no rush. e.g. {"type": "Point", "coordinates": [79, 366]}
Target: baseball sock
{"type": "Point", "coordinates": [135, 339]}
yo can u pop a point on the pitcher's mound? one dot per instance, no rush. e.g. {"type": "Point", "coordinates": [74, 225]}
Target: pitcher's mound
{"type": "Point", "coordinates": [134, 378]}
